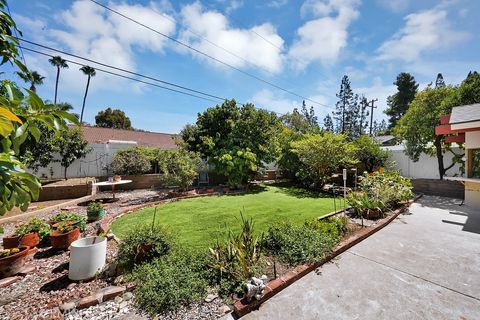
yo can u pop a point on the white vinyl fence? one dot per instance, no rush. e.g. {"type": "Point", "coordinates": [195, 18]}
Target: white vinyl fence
{"type": "Point", "coordinates": [425, 168]}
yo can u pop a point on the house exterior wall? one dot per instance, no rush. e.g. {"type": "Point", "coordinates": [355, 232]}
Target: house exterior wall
{"type": "Point", "coordinates": [425, 168]}
{"type": "Point", "coordinates": [472, 189]}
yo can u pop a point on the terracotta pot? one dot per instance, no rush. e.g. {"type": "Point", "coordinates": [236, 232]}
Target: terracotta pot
{"type": "Point", "coordinates": [11, 265]}
{"type": "Point", "coordinates": [143, 252]}
{"type": "Point", "coordinates": [63, 240]}
{"type": "Point", "coordinates": [94, 215]}
{"type": "Point", "coordinates": [31, 239]}
{"type": "Point", "coordinates": [211, 190]}
{"type": "Point", "coordinates": [117, 178]}
{"type": "Point", "coordinates": [373, 214]}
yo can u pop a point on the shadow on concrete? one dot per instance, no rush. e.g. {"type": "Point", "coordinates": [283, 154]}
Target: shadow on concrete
{"type": "Point", "coordinates": [472, 224]}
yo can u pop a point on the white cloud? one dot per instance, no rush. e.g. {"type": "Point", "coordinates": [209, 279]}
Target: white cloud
{"type": "Point", "coordinates": [215, 28]}
{"type": "Point", "coordinates": [395, 5]}
{"type": "Point", "coordinates": [423, 31]}
{"type": "Point", "coordinates": [268, 100]}
{"type": "Point", "coordinates": [276, 3]}
{"type": "Point", "coordinates": [323, 38]}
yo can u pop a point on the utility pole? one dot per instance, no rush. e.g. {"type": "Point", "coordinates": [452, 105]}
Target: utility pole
{"type": "Point", "coordinates": [371, 115]}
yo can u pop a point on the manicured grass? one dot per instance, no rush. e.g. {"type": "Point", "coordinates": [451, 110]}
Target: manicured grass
{"type": "Point", "coordinates": [200, 222]}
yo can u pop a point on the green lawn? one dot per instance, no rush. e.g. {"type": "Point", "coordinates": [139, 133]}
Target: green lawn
{"type": "Point", "coordinates": [200, 222]}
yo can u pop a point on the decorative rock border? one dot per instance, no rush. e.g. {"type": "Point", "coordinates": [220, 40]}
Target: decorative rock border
{"type": "Point", "coordinates": [102, 295]}
{"type": "Point", "coordinates": [242, 307]}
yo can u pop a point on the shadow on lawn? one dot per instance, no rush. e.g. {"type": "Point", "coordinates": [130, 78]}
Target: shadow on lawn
{"type": "Point", "coordinates": [252, 190]}
{"type": "Point", "coordinates": [298, 192]}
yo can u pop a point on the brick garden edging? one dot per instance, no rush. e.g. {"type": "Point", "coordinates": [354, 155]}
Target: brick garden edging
{"type": "Point", "coordinates": [242, 307]}
{"type": "Point", "coordinates": [101, 295]}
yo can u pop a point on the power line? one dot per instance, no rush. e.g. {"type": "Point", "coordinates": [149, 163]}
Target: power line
{"type": "Point", "coordinates": [206, 54]}
{"type": "Point", "coordinates": [125, 77]}
{"type": "Point", "coordinates": [122, 69]}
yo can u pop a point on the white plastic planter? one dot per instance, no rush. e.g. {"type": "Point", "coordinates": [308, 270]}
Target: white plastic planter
{"type": "Point", "coordinates": [87, 257]}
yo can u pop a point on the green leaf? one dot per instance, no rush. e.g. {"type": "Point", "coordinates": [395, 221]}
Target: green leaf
{"type": "Point", "coordinates": [33, 129]}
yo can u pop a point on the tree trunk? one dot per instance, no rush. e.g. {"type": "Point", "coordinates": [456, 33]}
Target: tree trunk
{"type": "Point", "coordinates": [84, 99]}
{"type": "Point", "coordinates": [56, 85]}
{"type": "Point", "coordinates": [438, 149]}
{"type": "Point", "coordinates": [65, 172]}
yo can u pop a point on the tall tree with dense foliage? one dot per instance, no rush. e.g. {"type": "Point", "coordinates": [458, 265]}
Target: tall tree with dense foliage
{"type": "Point", "coordinates": [439, 82]}
{"type": "Point", "coordinates": [398, 103]}
{"type": "Point", "coordinates": [59, 63]}
{"type": "Point", "coordinates": [347, 110]}
{"type": "Point", "coordinates": [113, 118]}
{"type": "Point", "coordinates": [322, 155]}
{"type": "Point", "coordinates": [20, 116]}
{"type": "Point", "coordinates": [89, 72]}
{"type": "Point", "coordinates": [236, 140]}
{"type": "Point", "coordinates": [369, 153]}
{"type": "Point", "coordinates": [31, 77]}
{"type": "Point", "coordinates": [178, 167]}
{"type": "Point", "coordinates": [328, 124]}
{"type": "Point", "coordinates": [71, 146]}
{"type": "Point", "coordinates": [417, 127]}
{"type": "Point", "coordinates": [301, 121]}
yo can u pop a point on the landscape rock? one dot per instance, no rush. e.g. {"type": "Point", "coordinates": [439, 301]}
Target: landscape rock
{"type": "Point", "coordinates": [8, 281]}
{"type": "Point", "coordinates": [127, 296]}
{"type": "Point", "coordinates": [68, 306]}
{"type": "Point", "coordinates": [224, 309]}
{"type": "Point", "coordinates": [210, 297]}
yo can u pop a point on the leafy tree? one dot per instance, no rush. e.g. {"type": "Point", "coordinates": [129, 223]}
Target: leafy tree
{"type": "Point", "coordinates": [398, 103]}
{"type": "Point", "coordinates": [132, 161]}
{"type": "Point", "coordinates": [19, 118]}
{"type": "Point", "coordinates": [113, 118]}
{"type": "Point", "coordinates": [320, 156]}
{"type": "Point", "coordinates": [328, 124]}
{"type": "Point", "coordinates": [439, 82]}
{"type": "Point", "coordinates": [59, 63]}
{"type": "Point", "coordinates": [179, 167]}
{"type": "Point", "coordinates": [379, 128]}
{"type": "Point", "coordinates": [363, 122]}
{"type": "Point", "coordinates": [71, 146]}
{"type": "Point", "coordinates": [89, 72]}
{"type": "Point", "coordinates": [237, 141]}
{"type": "Point", "coordinates": [369, 153]}
{"type": "Point", "coordinates": [469, 90]}
{"type": "Point", "coordinates": [31, 77]}
{"type": "Point", "coordinates": [417, 126]}
{"type": "Point", "coordinates": [301, 121]}
{"type": "Point", "coordinates": [347, 110]}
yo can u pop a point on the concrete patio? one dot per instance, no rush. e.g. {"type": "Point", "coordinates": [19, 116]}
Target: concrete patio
{"type": "Point", "coordinates": [424, 265]}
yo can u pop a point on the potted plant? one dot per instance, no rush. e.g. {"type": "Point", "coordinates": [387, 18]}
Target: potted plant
{"type": "Point", "coordinates": [28, 234]}
{"type": "Point", "coordinates": [64, 234]}
{"type": "Point", "coordinates": [65, 216]}
{"type": "Point", "coordinates": [12, 260]}
{"type": "Point", "coordinates": [95, 211]}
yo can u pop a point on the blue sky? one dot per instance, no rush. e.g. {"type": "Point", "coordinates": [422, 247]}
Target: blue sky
{"type": "Point", "coordinates": [302, 46]}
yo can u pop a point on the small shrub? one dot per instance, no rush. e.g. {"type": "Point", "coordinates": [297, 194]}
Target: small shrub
{"type": "Point", "coordinates": [131, 161]}
{"type": "Point", "coordinates": [298, 244]}
{"type": "Point", "coordinates": [387, 187]}
{"type": "Point", "coordinates": [34, 225]}
{"type": "Point", "coordinates": [170, 281]}
{"type": "Point", "coordinates": [95, 206]}
{"type": "Point", "coordinates": [80, 221]}
{"type": "Point", "coordinates": [365, 206]}
{"type": "Point", "coordinates": [142, 244]}
{"type": "Point", "coordinates": [236, 260]}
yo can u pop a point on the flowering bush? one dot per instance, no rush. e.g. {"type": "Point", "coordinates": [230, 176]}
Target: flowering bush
{"type": "Point", "coordinates": [387, 187]}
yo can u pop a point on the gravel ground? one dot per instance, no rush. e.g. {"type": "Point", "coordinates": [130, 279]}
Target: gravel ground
{"type": "Point", "coordinates": [121, 309]}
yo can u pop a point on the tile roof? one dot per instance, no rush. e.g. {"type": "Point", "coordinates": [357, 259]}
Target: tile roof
{"type": "Point", "coordinates": [143, 138]}
{"type": "Point", "coordinates": [466, 113]}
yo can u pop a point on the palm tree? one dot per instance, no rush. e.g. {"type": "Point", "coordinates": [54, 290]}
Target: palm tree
{"type": "Point", "coordinates": [90, 72]}
{"type": "Point", "coordinates": [32, 77]}
{"type": "Point", "coordinates": [58, 62]}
